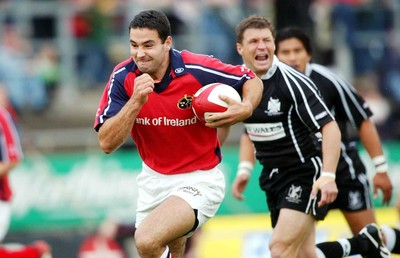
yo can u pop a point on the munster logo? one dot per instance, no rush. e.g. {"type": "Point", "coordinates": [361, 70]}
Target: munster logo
{"type": "Point", "coordinates": [185, 102]}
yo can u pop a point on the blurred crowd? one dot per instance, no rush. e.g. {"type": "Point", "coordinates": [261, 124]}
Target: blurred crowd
{"type": "Point", "coordinates": [359, 38]}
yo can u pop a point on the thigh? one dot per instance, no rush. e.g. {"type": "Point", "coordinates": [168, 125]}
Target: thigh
{"type": "Point", "coordinates": [171, 220]}
{"type": "Point", "coordinates": [294, 230]}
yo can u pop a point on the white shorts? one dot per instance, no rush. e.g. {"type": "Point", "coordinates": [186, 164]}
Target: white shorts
{"type": "Point", "coordinates": [203, 190]}
{"type": "Point", "coordinates": [5, 217]}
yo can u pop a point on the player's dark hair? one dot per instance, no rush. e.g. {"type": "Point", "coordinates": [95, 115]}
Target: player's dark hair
{"type": "Point", "coordinates": [153, 20]}
{"type": "Point", "coordinates": [293, 32]}
{"type": "Point", "coordinates": [252, 22]}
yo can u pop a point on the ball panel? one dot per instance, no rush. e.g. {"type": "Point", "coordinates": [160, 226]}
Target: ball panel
{"type": "Point", "coordinates": [222, 89]}
{"type": "Point", "coordinates": [206, 100]}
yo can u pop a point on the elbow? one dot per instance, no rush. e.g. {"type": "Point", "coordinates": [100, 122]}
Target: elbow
{"type": "Point", "coordinates": [106, 148]}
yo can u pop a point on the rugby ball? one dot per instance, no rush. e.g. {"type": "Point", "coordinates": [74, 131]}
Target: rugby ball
{"type": "Point", "coordinates": [206, 100]}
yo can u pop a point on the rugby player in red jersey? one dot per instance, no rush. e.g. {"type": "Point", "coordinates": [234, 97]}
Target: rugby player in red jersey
{"type": "Point", "coordinates": [149, 97]}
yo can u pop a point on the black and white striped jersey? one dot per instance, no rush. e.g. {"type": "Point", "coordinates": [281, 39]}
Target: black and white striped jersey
{"type": "Point", "coordinates": [291, 109]}
{"type": "Point", "coordinates": [349, 109]}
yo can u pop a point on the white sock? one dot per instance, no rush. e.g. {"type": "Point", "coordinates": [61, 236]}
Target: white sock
{"type": "Point", "coordinates": [345, 246]}
{"type": "Point", "coordinates": [166, 253]}
{"type": "Point", "coordinates": [320, 254]}
{"type": "Point", "coordinates": [390, 236]}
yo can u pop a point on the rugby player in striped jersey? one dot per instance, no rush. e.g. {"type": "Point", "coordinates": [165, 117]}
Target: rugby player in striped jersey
{"type": "Point", "coordinates": [354, 118]}
{"type": "Point", "coordinates": [297, 177]}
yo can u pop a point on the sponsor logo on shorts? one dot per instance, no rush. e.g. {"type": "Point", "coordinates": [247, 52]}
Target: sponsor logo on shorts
{"type": "Point", "coordinates": [294, 194]}
{"type": "Point", "coordinates": [355, 200]}
{"type": "Point", "coordinates": [190, 190]}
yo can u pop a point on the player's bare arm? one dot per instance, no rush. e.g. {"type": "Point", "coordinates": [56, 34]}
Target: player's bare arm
{"type": "Point", "coordinates": [370, 139]}
{"type": "Point", "coordinates": [331, 139]}
{"type": "Point", "coordinates": [238, 111]}
{"type": "Point", "coordinates": [246, 161]}
{"type": "Point", "coordinates": [115, 130]}
{"type": "Point", "coordinates": [223, 133]}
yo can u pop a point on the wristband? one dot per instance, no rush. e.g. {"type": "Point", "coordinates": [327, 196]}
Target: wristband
{"type": "Point", "coordinates": [380, 163]}
{"type": "Point", "coordinates": [328, 174]}
{"type": "Point", "coordinates": [383, 168]}
{"type": "Point", "coordinates": [245, 167]}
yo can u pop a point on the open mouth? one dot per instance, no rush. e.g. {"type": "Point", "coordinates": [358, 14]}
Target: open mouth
{"type": "Point", "coordinates": [262, 57]}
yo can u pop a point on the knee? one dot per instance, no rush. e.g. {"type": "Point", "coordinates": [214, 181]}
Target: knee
{"type": "Point", "coordinates": [145, 244]}
{"type": "Point", "coordinates": [278, 248]}
{"type": "Point", "coordinates": [282, 248]}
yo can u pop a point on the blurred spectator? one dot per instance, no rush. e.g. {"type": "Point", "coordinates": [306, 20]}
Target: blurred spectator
{"type": "Point", "coordinates": [364, 26]}
{"type": "Point", "coordinates": [5, 102]}
{"type": "Point", "coordinates": [293, 13]}
{"type": "Point", "coordinates": [38, 249]}
{"type": "Point", "coordinates": [10, 156]}
{"type": "Point", "coordinates": [103, 243]}
{"type": "Point", "coordinates": [92, 27]}
{"type": "Point", "coordinates": [48, 68]}
{"type": "Point", "coordinates": [25, 88]}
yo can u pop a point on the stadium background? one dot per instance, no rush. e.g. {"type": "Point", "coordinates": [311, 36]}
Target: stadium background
{"type": "Point", "coordinates": [66, 187]}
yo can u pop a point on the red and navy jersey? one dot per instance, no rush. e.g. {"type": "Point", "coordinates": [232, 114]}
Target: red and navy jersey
{"type": "Point", "coordinates": [169, 137]}
{"type": "Point", "coordinates": [349, 109]}
{"type": "Point", "coordinates": [290, 111]}
{"type": "Point", "coordinates": [10, 150]}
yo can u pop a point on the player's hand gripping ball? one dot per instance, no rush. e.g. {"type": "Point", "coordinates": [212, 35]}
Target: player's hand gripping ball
{"type": "Point", "coordinates": [206, 100]}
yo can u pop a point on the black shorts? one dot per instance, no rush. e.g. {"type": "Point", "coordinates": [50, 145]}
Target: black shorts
{"type": "Point", "coordinates": [352, 182]}
{"type": "Point", "coordinates": [290, 187]}
{"type": "Point", "coordinates": [354, 193]}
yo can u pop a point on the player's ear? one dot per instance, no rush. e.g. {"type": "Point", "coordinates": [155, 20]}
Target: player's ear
{"type": "Point", "coordinates": [168, 42]}
{"type": "Point", "coordinates": [239, 48]}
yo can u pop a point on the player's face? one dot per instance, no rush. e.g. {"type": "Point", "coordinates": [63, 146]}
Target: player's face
{"type": "Point", "coordinates": [257, 50]}
{"type": "Point", "coordinates": [150, 55]}
{"type": "Point", "coordinates": [292, 52]}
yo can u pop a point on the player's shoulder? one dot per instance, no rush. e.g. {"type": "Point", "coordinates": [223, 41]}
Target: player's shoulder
{"type": "Point", "coordinates": [191, 57]}
{"type": "Point", "coordinates": [287, 69]}
{"type": "Point", "coordinates": [123, 68]}
{"type": "Point", "coordinates": [293, 75]}
{"type": "Point", "coordinates": [327, 75]}
{"type": "Point", "coordinates": [323, 70]}
{"type": "Point", "coordinates": [125, 64]}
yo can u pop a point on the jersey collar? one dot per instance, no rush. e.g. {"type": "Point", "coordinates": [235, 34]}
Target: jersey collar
{"type": "Point", "coordinates": [177, 65]}
{"type": "Point", "coordinates": [308, 70]}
